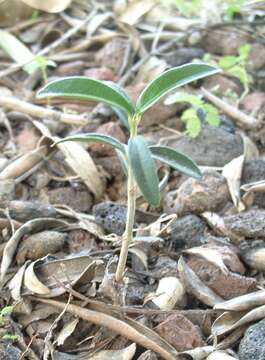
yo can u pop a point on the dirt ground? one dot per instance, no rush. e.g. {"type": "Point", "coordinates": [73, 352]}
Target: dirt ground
{"type": "Point", "coordinates": [194, 282]}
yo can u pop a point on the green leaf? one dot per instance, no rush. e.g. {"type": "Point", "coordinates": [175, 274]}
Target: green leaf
{"type": "Point", "coordinates": [7, 310]}
{"type": "Point", "coordinates": [241, 73]}
{"type": "Point", "coordinates": [85, 88]}
{"type": "Point", "coordinates": [101, 138]}
{"type": "Point", "coordinates": [184, 97]}
{"type": "Point", "coordinates": [228, 61]}
{"type": "Point", "coordinates": [170, 80]}
{"type": "Point", "coordinates": [212, 115]}
{"type": "Point", "coordinates": [123, 161]}
{"type": "Point", "coordinates": [144, 170]}
{"type": "Point", "coordinates": [193, 123]}
{"type": "Point", "coordinates": [244, 51]}
{"type": "Point", "coordinates": [176, 160]}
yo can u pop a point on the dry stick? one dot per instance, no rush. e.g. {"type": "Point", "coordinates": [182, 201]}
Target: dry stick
{"type": "Point", "coordinates": [52, 46]}
{"type": "Point", "coordinates": [150, 340]}
{"type": "Point", "coordinates": [242, 119]}
{"type": "Point", "coordinates": [40, 112]}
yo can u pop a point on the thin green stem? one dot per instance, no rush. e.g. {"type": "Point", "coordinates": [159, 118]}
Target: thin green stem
{"type": "Point", "coordinates": [131, 205]}
{"type": "Point", "coordinates": [128, 234]}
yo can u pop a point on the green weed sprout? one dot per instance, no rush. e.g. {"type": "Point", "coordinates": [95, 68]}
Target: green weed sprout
{"type": "Point", "coordinates": [136, 154]}
{"type": "Point", "coordinates": [199, 110]}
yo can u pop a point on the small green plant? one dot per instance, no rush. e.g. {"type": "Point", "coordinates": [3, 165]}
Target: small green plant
{"type": "Point", "coordinates": [137, 156]}
{"type": "Point", "coordinates": [4, 313]}
{"type": "Point", "coordinates": [187, 8]}
{"type": "Point", "coordinates": [233, 7]}
{"type": "Point", "coordinates": [236, 65]}
{"type": "Point", "coordinates": [198, 111]}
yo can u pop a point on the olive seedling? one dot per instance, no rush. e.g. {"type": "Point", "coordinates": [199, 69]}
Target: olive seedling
{"type": "Point", "coordinates": [137, 155]}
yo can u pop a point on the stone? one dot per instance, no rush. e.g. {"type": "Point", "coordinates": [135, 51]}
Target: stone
{"type": "Point", "coordinates": [186, 232]}
{"type": "Point", "coordinates": [111, 128]}
{"type": "Point", "coordinates": [9, 351]}
{"type": "Point", "coordinates": [254, 170]}
{"type": "Point", "coordinates": [80, 200]}
{"type": "Point", "coordinates": [183, 55]}
{"type": "Point", "coordinates": [253, 101]}
{"type": "Point", "coordinates": [27, 140]}
{"type": "Point", "coordinates": [180, 332]}
{"type": "Point", "coordinates": [71, 68]}
{"type": "Point", "coordinates": [223, 84]}
{"type": "Point", "coordinates": [224, 41]}
{"type": "Point", "coordinates": [196, 196]}
{"type": "Point", "coordinates": [102, 73]}
{"type": "Point", "coordinates": [249, 224]}
{"type": "Point", "coordinates": [226, 284]}
{"type": "Point", "coordinates": [252, 346]}
{"type": "Point", "coordinates": [256, 59]}
{"type": "Point", "coordinates": [215, 146]}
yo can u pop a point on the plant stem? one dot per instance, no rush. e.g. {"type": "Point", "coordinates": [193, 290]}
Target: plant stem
{"type": "Point", "coordinates": [128, 234]}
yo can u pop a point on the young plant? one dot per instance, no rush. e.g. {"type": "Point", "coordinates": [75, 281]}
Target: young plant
{"type": "Point", "coordinates": [137, 155]}
{"type": "Point", "coordinates": [236, 65]}
{"type": "Point", "coordinates": [199, 110]}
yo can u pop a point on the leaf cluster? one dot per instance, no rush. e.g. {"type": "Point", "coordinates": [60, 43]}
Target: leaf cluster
{"type": "Point", "coordinates": [137, 154]}
{"type": "Point", "coordinates": [198, 111]}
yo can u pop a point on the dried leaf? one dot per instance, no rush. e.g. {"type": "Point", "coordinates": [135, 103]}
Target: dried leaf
{"type": "Point", "coordinates": [54, 275]}
{"type": "Point", "coordinates": [83, 165]}
{"type": "Point", "coordinates": [213, 256]}
{"type": "Point", "coordinates": [51, 6]}
{"type": "Point", "coordinates": [244, 302]}
{"type": "Point", "coordinates": [195, 286]}
{"type": "Point", "coordinates": [169, 292]}
{"type": "Point", "coordinates": [232, 172]}
{"type": "Point", "coordinates": [220, 355]}
{"type": "Point", "coordinates": [229, 321]}
{"type": "Point", "coordinates": [66, 331]}
{"type": "Point", "coordinates": [198, 353]}
{"type": "Point", "coordinates": [15, 285]}
{"type": "Point", "coordinates": [140, 254]}
{"type": "Point", "coordinates": [123, 326]}
{"type": "Point", "coordinates": [257, 186]}
{"type": "Point", "coordinates": [135, 10]}
{"type": "Point", "coordinates": [29, 227]}
{"type": "Point", "coordinates": [150, 69]}
{"type": "Point", "coordinates": [124, 354]}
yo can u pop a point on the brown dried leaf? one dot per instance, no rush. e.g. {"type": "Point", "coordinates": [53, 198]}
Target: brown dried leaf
{"type": "Point", "coordinates": [54, 275]}
{"type": "Point", "coordinates": [27, 228]}
{"type": "Point", "coordinates": [135, 10]}
{"type": "Point", "coordinates": [244, 302]}
{"type": "Point", "coordinates": [195, 286]}
{"type": "Point", "coordinates": [257, 186]}
{"type": "Point", "coordinates": [123, 326]}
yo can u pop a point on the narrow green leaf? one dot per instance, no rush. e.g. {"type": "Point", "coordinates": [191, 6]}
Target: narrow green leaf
{"type": "Point", "coordinates": [170, 80]}
{"type": "Point", "coordinates": [105, 139]}
{"type": "Point", "coordinates": [176, 160]}
{"type": "Point", "coordinates": [123, 161]}
{"type": "Point", "coordinates": [144, 169]}
{"type": "Point", "coordinates": [85, 88]}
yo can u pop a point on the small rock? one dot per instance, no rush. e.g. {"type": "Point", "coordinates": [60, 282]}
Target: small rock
{"type": "Point", "coordinates": [112, 216]}
{"type": "Point", "coordinates": [223, 84]}
{"type": "Point", "coordinates": [102, 73]}
{"type": "Point", "coordinates": [253, 101]}
{"type": "Point", "coordinates": [252, 346]}
{"type": "Point", "coordinates": [256, 60]}
{"type": "Point", "coordinates": [8, 351]}
{"type": "Point", "coordinates": [80, 240]}
{"type": "Point", "coordinates": [112, 54]}
{"type": "Point", "coordinates": [225, 41]}
{"type": "Point", "coordinates": [253, 254]}
{"type": "Point", "coordinates": [39, 245]}
{"type": "Point", "coordinates": [180, 332]}
{"type": "Point", "coordinates": [186, 232]}
{"type": "Point", "coordinates": [70, 68]}
{"type": "Point", "coordinates": [226, 284]}
{"type": "Point", "coordinates": [80, 200]}
{"type": "Point", "coordinates": [27, 140]}
{"type": "Point", "coordinates": [158, 113]}
{"type": "Point", "coordinates": [253, 171]}
{"type": "Point", "coordinates": [183, 55]}
{"type": "Point", "coordinates": [113, 129]}
{"type": "Point", "coordinates": [165, 266]}
{"type": "Point", "coordinates": [196, 196]}
{"type": "Point", "coordinates": [248, 224]}
{"type": "Point", "coordinates": [111, 164]}
{"type": "Point", "coordinates": [215, 146]}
